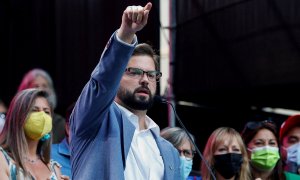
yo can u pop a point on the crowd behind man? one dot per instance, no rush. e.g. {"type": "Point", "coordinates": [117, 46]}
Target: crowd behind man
{"type": "Point", "coordinates": [110, 135]}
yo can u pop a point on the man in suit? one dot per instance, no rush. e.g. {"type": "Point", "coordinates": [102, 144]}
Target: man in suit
{"type": "Point", "coordinates": [111, 135]}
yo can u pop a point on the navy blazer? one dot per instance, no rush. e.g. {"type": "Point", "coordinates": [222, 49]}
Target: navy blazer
{"type": "Point", "coordinates": [101, 134]}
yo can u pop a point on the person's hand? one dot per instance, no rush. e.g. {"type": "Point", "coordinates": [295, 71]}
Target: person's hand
{"type": "Point", "coordinates": [134, 19]}
{"type": "Point", "coordinates": [64, 177]}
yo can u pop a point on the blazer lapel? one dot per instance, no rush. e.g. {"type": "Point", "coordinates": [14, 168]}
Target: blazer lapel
{"type": "Point", "coordinates": [128, 131]}
{"type": "Point", "coordinates": [167, 156]}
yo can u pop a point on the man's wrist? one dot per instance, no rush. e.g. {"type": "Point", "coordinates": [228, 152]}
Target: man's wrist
{"type": "Point", "coordinates": [132, 39]}
{"type": "Point", "coordinates": [125, 37]}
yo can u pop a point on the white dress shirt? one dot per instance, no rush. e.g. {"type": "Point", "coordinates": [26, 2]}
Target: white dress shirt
{"type": "Point", "coordinates": [143, 160]}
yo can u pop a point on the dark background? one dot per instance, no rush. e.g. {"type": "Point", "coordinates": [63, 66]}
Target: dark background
{"type": "Point", "coordinates": [232, 57]}
{"type": "Point", "coordinates": [64, 37]}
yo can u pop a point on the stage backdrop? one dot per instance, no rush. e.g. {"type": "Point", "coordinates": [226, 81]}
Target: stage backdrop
{"type": "Point", "coordinates": [233, 56]}
{"type": "Point", "coordinates": [64, 37]}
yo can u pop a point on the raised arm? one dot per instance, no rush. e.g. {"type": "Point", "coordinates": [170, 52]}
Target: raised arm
{"type": "Point", "coordinates": [100, 91]}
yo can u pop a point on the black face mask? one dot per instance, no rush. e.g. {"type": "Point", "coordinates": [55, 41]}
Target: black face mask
{"type": "Point", "coordinates": [228, 165]}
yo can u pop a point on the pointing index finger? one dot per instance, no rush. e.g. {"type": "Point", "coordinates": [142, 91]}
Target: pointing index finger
{"type": "Point", "coordinates": [148, 6]}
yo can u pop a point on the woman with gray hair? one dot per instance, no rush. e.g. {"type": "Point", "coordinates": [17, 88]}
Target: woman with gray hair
{"type": "Point", "coordinates": [181, 141]}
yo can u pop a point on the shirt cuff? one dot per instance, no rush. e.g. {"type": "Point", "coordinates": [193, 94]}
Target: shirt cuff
{"type": "Point", "coordinates": [134, 41]}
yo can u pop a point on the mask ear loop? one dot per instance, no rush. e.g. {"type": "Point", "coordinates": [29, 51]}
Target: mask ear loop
{"type": "Point", "coordinates": [46, 137]}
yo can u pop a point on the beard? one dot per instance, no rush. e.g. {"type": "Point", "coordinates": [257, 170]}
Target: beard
{"type": "Point", "coordinates": [133, 101]}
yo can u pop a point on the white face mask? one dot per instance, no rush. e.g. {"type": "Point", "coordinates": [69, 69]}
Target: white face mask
{"type": "Point", "coordinates": [293, 153]}
{"type": "Point", "coordinates": [2, 121]}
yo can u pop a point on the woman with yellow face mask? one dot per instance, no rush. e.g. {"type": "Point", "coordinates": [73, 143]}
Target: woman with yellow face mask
{"type": "Point", "coordinates": [26, 139]}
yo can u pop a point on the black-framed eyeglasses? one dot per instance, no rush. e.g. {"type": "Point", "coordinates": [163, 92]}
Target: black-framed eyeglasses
{"type": "Point", "coordinates": [189, 154]}
{"type": "Point", "coordinates": [138, 73]}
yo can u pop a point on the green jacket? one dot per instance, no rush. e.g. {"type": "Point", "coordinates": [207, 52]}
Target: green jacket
{"type": "Point", "coordinates": [291, 176]}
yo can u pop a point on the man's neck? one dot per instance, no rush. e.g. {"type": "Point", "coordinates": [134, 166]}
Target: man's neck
{"type": "Point", "coordinates": [141, 114]}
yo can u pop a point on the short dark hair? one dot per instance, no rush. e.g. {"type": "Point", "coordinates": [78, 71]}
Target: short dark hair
{"type": "Point", "coordinates": [146, 49]}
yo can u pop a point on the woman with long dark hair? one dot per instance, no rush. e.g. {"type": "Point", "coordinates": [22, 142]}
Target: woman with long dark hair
{"type": "Point", "coordinates": [26, 138]}
{"type": "Point", "coordinates": [261, 139]}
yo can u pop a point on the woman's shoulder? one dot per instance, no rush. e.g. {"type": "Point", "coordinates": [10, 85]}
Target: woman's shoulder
{"type": "Point", "coordinates": [4, 157]}
{"type": "Point", "coordinates": [7, 166]}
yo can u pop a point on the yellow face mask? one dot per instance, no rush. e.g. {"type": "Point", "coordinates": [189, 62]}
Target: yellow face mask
{"type": "Point", "coordinates": [37, 125]}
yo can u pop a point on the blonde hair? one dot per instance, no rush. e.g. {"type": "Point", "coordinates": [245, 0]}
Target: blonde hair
{"type": "Point", "coordinates": [216, 138]}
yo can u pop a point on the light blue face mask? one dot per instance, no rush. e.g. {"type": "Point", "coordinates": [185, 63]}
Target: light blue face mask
{"type": "Point", "coordinates": [293, 154]}
{"type": "Point", "coordinates": [185, 167]}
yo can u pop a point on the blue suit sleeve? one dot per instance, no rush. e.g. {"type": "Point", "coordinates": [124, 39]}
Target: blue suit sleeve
{"type": "Point", "coordinates": [98, 94]}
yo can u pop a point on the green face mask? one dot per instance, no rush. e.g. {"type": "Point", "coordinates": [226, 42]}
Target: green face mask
{"type": "Point", "coordinates": [264, 158]}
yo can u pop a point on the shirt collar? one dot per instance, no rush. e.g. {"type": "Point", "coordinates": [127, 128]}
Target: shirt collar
{"type": "Point", "coordinates": [151, 125]}
{"type": "Point", "coordinates": [63, 147]}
